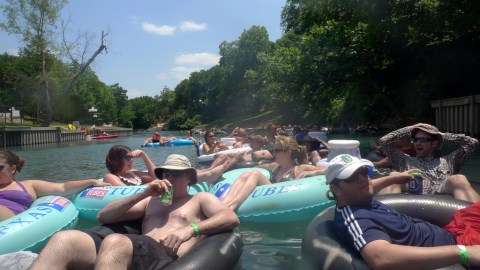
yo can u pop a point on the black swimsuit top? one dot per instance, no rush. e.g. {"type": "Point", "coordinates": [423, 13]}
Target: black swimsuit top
{"type": "Point", "coordinates": [127, 182]}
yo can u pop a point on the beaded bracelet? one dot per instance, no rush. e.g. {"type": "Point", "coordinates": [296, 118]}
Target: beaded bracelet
{"type": "Point", "coordinates": [463, 256]}
{"type": "Point", "coordinates": [196, 229]}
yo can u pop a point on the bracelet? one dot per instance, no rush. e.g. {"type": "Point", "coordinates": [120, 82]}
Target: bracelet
{"type": "Point", "coordinates": [463, 256]}
{"type": "Point", "coordinates": [197, 230]}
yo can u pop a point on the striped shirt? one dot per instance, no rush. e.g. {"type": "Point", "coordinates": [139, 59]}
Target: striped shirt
{"type": "Point", "coordinates": [358, 226]}
{"type": "Point", "coordinates": [435, 170]}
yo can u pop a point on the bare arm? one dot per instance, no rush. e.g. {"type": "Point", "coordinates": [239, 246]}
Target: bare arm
{"type": "Point", "coordinates": [131, 207]}
{"type": "Point", "coordinates": [381, 254]}
{"type": "Point", "coordinates": [45, 188]}
{"type": "Point", "coordinates": [307, 170]}
{"type": "Point", "coordinates": [397, 178]}
{"type": "Point", "coordinates": [148, 163]}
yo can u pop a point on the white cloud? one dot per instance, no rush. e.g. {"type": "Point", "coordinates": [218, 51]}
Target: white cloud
{"type": "Point", "coordinates": [202, 59]}
{"type": "Point", "coordinates": [13, 52]}
{"type": "Point", "coordinates": [134, 93]}
{"type": "Point", "coordinates": [192, 26]}
{"type": "Point", "coordinates": [183, 72]}
{"type": "Point", "coordinates": [188, 63]}
{"type": "Point", "coordinates": [163, 30]}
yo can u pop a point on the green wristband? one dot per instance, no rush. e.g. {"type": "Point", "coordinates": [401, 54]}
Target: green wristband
{"type": "Point", "coordinates": [196, 229]}
{"type": "Point", "coordinates": [463, 256]}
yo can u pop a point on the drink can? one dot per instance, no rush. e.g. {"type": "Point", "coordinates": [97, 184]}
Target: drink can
{"type": "Point", "coordinates": [167, 196]}
{"type": "Point", "coordinates": [415, 186]}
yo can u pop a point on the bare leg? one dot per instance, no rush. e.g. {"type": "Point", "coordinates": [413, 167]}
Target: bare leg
{"type": "Point", "coordinates": [392, 189]}
{"type": "Point", "coordinates": [212, 174]}
{"type": "Point", "coordinates": [458, 186]}
{"type": "Point", "coordinates": [115, 253]}
{"type": "Point", "coordinates": [242, 187]}
{"type": "Point", "coordinates": [67, 249]}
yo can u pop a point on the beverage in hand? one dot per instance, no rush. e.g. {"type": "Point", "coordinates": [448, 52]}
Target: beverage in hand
{"type": "Point", "coordinates": [415, 186]}
{"type": "Point", "coordinates": [167, 196]}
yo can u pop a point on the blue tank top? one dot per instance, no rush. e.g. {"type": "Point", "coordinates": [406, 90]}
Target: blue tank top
{"type": "Point", "coordinates": [16, 200]}
{"type": "Point", "coordinates": [359, 226]}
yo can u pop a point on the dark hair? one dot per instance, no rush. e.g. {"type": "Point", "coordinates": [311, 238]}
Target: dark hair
{"type": "Point", "coordinates": [12, 159]}
{"type": "Point", "coordinates": [207, 134]}
{"type": "Point", "coordinates": [115, 156]}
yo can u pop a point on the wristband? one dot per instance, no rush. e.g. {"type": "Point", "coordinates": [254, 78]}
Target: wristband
{"type": "Point", "coordinates": [463, 256]}
{"type": "Point", "coordinates": [197, 231]}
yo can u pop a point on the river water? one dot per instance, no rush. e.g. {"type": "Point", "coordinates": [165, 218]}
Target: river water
{"type": "Point", "coordinates": [267, 246]}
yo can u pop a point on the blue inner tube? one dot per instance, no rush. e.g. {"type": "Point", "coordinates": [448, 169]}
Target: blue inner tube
{"type": "Point", "coordinates": [176, 142]}
{"type": "Point", "coordinates": [218, 251]}
{"type": "Point", "coordinates": [322, 249]}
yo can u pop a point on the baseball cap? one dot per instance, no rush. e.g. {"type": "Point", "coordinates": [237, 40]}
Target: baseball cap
{"type": "Point", "coordinates": [343, 166]}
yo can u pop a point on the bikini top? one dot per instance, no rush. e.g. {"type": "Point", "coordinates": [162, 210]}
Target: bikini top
{"type": "Point", "coordinates": [289, 175]}
{"type": "Point", "coordinates": [127, 181]}
{"type": "Point", "coordinates": [16, 200]}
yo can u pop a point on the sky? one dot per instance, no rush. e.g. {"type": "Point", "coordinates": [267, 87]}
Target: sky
{"type": "Point", "coordinates": [154, 44]}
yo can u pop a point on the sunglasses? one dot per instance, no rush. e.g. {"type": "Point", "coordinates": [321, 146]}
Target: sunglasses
{"type": "Point", "coordinates": [362, 171]}
{"type": "Point", "coordinates": [421, 139]}
{"type": "Point", "coordinates": [128, 157]}
{"type": "Point", "coordinates": [167, 174]}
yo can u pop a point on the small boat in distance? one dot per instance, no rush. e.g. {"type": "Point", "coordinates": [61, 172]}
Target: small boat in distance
{"type": "Point", "coordinates": [103, 136]}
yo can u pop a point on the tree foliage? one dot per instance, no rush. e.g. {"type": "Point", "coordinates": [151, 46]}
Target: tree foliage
{"type": "Point", "coordinates": [337, 63]}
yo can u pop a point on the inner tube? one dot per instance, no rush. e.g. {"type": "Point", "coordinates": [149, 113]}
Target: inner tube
{"type": "Point", "coordinates": [91, 200]}
{"type": "Point", "coordinates": [31, 229]}
{"type": "Point", "coordinates": [176, 142]}
{"type": "Point", "coordinates": [321, 248]}
{"type": "Point", "coordinates": [287, 201]}
{"type": "Point", "coordinates": [210, 157]}
{"type": "Point", "coordinates": [218, 251]}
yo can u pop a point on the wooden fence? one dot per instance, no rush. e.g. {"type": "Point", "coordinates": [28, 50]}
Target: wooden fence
{"type": "Point", "coordinates": [458, 115]}
{"type": "Point", "coordinates": [16, 136]}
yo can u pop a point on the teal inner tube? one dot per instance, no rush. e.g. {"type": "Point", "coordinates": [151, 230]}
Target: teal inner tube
{"type": "Point", "coordinates": [321, 248]}
{"type": "Point", "coordinates": [91, 200]}
{"type": "Point", "coordinates": [287, 201]}
{"type": "Point", "coordinates": [31, 229]}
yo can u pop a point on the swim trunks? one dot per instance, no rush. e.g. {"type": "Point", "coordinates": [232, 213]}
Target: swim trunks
{"type": "Point", "coordinates": [465, 225]}
{"type": "Point", "coordinates": [147, 253]}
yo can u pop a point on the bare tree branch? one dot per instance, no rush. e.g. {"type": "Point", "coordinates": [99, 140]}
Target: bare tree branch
{"type": "Point", "coordinates": [85, 65]}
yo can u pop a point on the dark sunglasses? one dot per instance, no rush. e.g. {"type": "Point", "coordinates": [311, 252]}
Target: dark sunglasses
{"type": "Point", "coordinates": [128, 157]}
{"type": "Point", "coordinates": [173, 174]}
{"type": "Point", "coordinates": [362, 171]}
{"type": "Point", "coordinates": [421, 139]}
{"type": "Point", "coordinates": [280, 150]}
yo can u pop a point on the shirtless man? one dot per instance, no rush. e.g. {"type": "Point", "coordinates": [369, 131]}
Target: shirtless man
{"type": "Point", "coordinates": [168, 232]}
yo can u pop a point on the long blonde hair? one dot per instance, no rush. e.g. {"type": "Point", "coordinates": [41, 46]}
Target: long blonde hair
{"type": "Point", "coordinates": [299, 153]}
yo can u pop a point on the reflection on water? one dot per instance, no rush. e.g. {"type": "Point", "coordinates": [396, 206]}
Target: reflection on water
{"type": "Point", "coordinates": [267, 246]}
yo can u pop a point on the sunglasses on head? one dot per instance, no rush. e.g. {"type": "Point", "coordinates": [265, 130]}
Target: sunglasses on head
{"type": "Point", "coordinates": [173, 174]}
{"type": "Point", "coordinates": [421, 139]}
{"type": "Point", "coordinates": [128, 157]}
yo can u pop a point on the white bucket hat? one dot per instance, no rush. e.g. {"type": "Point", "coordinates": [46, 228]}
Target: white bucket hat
{"type": "Point", "coordinates": [343, 166]}
{"type": "Point", "coordinates": [177, 163]}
